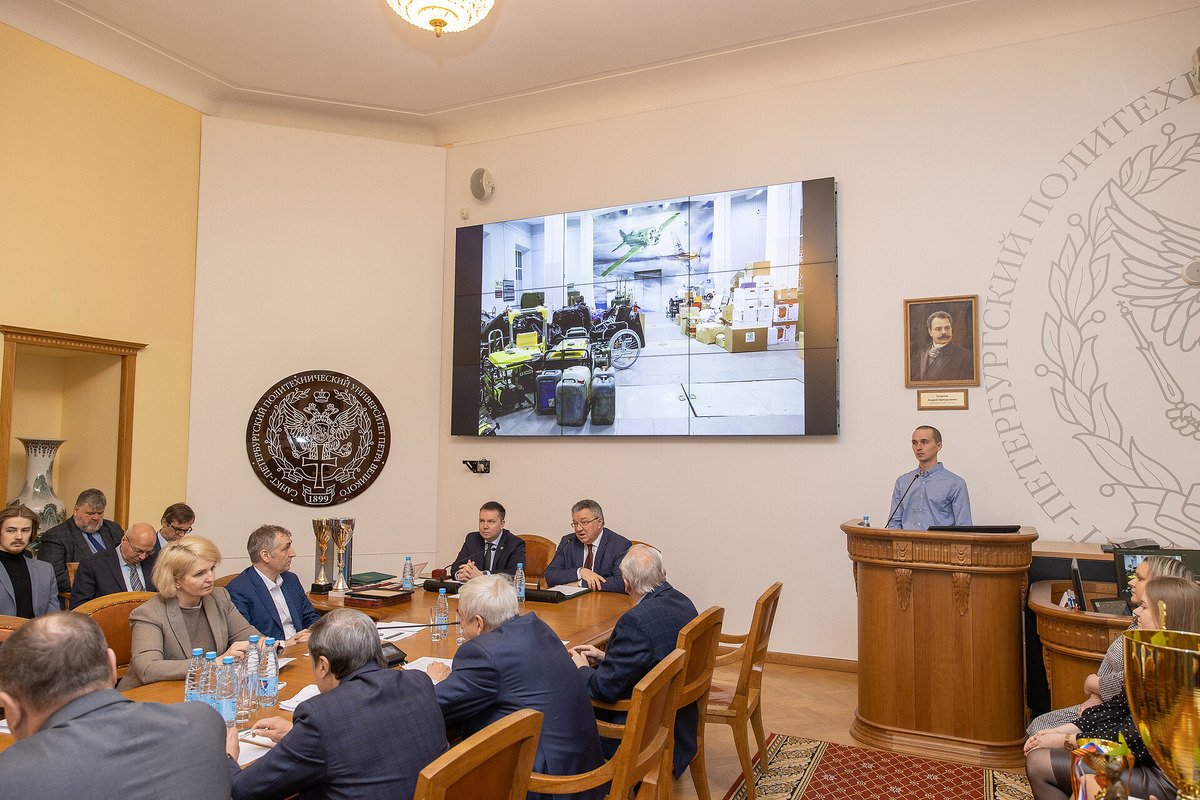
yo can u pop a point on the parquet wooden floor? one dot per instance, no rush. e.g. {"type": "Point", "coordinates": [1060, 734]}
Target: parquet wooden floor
{"type": "Point", "coordinates": [798, 701]}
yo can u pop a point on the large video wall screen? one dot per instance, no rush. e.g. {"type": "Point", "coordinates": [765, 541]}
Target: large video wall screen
{"type": "Point", "coordinates": [707, 315]}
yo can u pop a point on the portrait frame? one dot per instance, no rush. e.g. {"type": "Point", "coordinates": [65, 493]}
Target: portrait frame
{"type": "Point", "coordinates": [963, 366]}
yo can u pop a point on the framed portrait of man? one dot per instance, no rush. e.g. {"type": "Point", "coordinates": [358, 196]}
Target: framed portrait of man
{"type": "Point", "coordinates": [941, 341]}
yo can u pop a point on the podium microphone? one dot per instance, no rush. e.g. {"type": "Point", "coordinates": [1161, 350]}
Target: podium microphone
{"type": "Point", "coordinates": [900, 504]}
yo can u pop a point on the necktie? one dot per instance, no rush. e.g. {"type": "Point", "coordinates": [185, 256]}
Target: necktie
{"type": "Point", "coordinates": [491, 554]}
{"type": "Point", "coordinates": [135, 579]}
{"type": "Point", "coordinates": [95, 542]}
{"type": "Point", "coordinates": [587, 562]}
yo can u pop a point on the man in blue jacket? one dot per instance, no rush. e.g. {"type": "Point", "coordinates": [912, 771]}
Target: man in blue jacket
{"type": "Point", "coordinates": [269, 596]}
{"type": "Point", "coordinates": [642, 637]}
{"type": "Point", "coordinates": [591, 555]}
{"type": "Point", "coordinates": [510, 662]}
{"type": "Point", "coordinates": [366, 736]}
{"type": "Point", "coordinates": [494, 549]}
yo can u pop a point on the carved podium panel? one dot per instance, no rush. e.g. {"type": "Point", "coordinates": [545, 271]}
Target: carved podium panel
{"type": "Point", "coordinates": [940, 642]}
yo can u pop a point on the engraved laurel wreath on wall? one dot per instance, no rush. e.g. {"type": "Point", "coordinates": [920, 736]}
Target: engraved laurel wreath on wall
{"type": "Point", "coordinates": [1151, 249]}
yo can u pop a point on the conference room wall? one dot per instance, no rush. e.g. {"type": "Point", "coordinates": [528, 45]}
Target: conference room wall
{"type": "Point", "coordinates": [98, 221]}
{"type": "Point", "coordinates": [316, 251]}
{"type": "Point", "coordinates": [935, 162]}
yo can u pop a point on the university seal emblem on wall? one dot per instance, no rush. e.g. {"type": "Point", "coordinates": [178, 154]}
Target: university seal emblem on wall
{"type": "Point", "coordinates": [1091, 328]}
{"type": "Point", "coordinates": [318, 438]}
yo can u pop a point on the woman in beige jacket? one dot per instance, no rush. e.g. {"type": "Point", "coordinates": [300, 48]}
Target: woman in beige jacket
{"type": "Point", "coordinates": [190, 611]}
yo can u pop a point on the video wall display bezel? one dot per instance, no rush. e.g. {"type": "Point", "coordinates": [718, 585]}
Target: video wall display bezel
{"type": "Point", "coordinates": [594, 255]}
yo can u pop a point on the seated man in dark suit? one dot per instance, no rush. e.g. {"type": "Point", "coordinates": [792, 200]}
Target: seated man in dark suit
{"type": "Point", "coordinates": [78, 737]}
{"type": "Point", "coordinates": [177, 522]}
{"type": "Point", "coordinates": [84, 533]}
{"type": "Point", "coordinates": [591, 555]}
{"type": "Point", "coordinates": [128, 567]}
{"type": "Point", "coordinates": [491, 551]}
{"type": "Point", "coordinates": [366, 735]}
{"type": "Point", "coordinates": [642, 637]}
{"type": "Point", "coordinates": [269, 596]}
{"type": "Point", "coordinates": [511, 662]}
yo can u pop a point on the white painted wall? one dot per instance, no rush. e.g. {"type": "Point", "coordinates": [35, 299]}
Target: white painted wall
{"type": "Point", "coordinates": [316, 251]}
{"type": "Point", "coordinates": [935, 161]}
{"type": "Point", "coordinates": [322, 251]}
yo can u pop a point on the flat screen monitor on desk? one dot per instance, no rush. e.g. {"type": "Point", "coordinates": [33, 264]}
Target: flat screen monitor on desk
{"type": "Point", "coordinates": [1125, 562]}
{"type": "Point", "coordinates": [977, 528]}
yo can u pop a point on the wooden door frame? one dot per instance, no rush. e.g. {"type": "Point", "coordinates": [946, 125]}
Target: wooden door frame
{"type": "Point", "coordinates": [127, 351]}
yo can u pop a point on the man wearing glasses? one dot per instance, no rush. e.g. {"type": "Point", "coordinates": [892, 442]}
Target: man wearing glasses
{"type": "Point", "coordinates": [591, 555]}
{"type": "Point", "coordinates": [176, 523]}
{"type": "Point", "coordinates": [128, 567]}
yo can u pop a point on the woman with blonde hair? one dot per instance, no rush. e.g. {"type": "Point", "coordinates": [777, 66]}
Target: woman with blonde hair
{"type": "Point", "coordinates": [1109, 680]}
{"type": "Point", "coordinates": [189, 611]}
{"type": "Point", "coordinates": [1048, 753]}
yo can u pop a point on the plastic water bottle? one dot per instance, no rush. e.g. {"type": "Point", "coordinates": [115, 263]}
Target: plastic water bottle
{"type": "Point", "coordinates": [866, 523]}
{"type": "Point", "coordinates": [268, 676]}
{"type": "Point", "coordinates": [227, 686]}
{"type": "Point", "coordinates": [250, 671]}
{"type": "Point", "coordinates": [441, 617]}
{"type": "Point", "coordinates": [519, 579]}
{"type": "Point", "coordinates": [208, 679]}
{"type": "Point", "coordinates": [406, 576]}
{"type": "Point", "coordinates": [191, 681]}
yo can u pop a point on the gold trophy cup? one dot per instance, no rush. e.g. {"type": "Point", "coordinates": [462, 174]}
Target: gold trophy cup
{"type": "Point", "coordinates": [323, 530]}
{"type": "Point", "coordinates": [1162, 681]}
{"type": "Point", "coordinates": [343, 529]}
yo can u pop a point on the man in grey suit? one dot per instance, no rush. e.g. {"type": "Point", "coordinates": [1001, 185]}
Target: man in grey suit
{"type": "Point", "coordinates": [27, 587]}
{"type": "Point", "coordinates": [78, 737]}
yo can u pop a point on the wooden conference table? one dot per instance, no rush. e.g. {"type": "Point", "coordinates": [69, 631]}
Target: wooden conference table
{"type": "Point", "coordinates": [586, 619]}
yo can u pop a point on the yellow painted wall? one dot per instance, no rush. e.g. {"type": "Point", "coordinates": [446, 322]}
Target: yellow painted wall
{"type": "Point", "coordinates": [98, 221]}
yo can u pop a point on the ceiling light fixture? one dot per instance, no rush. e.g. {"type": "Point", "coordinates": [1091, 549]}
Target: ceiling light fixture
{"type": "Point", "coordinates": [442, 15]}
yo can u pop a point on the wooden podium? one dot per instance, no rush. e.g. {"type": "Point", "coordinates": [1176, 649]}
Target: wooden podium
{"type": "Point", "coordinates": [940, 642]}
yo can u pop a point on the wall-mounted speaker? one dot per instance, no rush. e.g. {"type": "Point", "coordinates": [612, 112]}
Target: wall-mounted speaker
{"type": "Point", "coordinates": [482, 184]}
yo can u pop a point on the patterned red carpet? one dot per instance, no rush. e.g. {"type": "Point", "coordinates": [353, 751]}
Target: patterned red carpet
{"type": "Point", "coordinates": [808, 769]}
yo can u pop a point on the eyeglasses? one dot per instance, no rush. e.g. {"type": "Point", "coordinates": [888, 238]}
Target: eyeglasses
{"type": "Point", "coordinates": [577, 525]}
{"type": "Point", "coordinates": [137, 551]}
{"type": "Point", "coordinates": [181, 531]}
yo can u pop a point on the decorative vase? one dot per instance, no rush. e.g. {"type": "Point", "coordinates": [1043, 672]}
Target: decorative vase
{"type": "Point", "coordinates": [38, 492]}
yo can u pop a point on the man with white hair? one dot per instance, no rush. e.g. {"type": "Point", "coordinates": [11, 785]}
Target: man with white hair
{"type": "Point", "coordinates": [642, 637]}
{"type": "Point", "coordinates": [510, 662]}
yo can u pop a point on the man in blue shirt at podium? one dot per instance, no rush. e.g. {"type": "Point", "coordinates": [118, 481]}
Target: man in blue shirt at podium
{"type": "Point", "coordinates": [930, 494]}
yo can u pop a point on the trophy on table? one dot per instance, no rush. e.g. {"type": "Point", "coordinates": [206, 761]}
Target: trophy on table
{"type": "Point", "coordinates": [1162, 682]}
{"type": "Point", "coordinates": [343, 529]}
{"type": "Point", "coordinates": [323, 530]}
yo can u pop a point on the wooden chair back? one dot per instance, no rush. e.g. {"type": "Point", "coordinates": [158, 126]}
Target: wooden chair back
{"type": "Point", "coordinates": [539, 552]}
{"type": "Point", "coordinates": [64, 598]}
{"type": "Point", "coordinates": [755, 654]}
{"type": "Point", "coordinates": [225, 579]}
{"type": "Point", "coordinates": [700, 639]}
{"type": "Point", "coordinates": [494, 764]}
{"type": "Point", "coordinates": [9, 624]}
{"type": "Point", "coordinates": [112, 613]}
{"type": "Point", "coordinates": [643, 748]}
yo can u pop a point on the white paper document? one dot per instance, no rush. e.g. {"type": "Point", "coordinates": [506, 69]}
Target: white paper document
{"type": "Point", "coordinates": [395, 631]}
{"type": "Point", "coordinates": [252, 748]}
{"type": "Point", "coordinates": [422, 664]}
{"type": "Point", "coordinates": [308, 691]}
{"type": "Point", "coordinates": [569, 589]}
